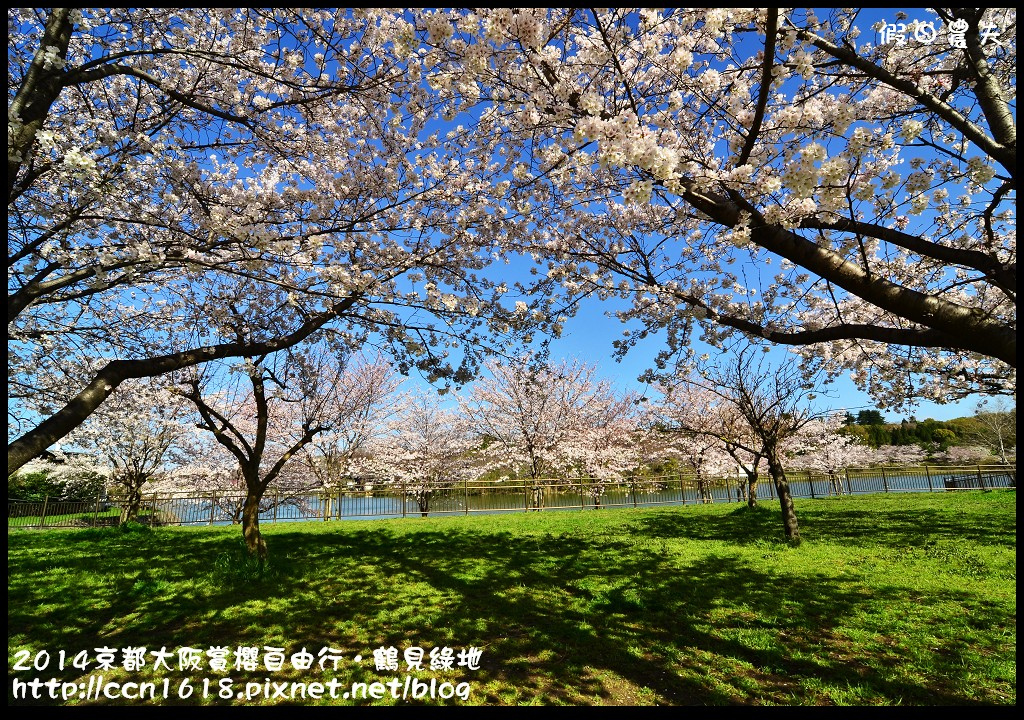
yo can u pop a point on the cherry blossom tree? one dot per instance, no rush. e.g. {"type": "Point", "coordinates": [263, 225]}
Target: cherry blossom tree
{"type": "Point", "coordinates": [427, 449]}
{"type": "Point", "coordinates": [213, 479]}
{"type": "Point", "coordinates": [211, 475]}
{"type": "Point", "coordinates": [778, 173]}
{"type": "Point", "coordinates": [965, 455]}
{"type": "Point", "coordinates": [363, 397]}
{"type": "Point", "coordinates": [774, 403]}
{"type": "Point", "coordinates": [272, 411]}
{"type": "Point", "coordinates": [898, 455]}
{"type": "Point", "coordinates": [547, 421]}
{"type": "Point", "coordinates": [191, 185]}
{"type": "Point", "coordinates": [643, 461]}
{"type": "Point", "coordinates": [609, 444]}
{"type": "Point", "coordinates": [141, 433]}
{"type": "Point", "coordinates": [210, 470]}
{"type": "Point", "coordinates": [71, 478]}
{"type": "Point", "coordinates": [704, 459]}
{"type": "Point", "coordinates": [820, 447]}
{"type": "Point", "coordinates": [171, 173]}
{"type": "Point", "coordinates": [691, 415]}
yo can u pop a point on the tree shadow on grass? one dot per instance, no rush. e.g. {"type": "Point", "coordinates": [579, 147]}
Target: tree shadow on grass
{"type": "Point", "coordinates": [819, 520]}
{"type": "Point", "coordinates": [557, 617]}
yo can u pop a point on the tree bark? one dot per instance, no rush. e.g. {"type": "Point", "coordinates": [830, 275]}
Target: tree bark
{"type": "Point", "coordinates": [705, 492]}
{"type": "Point", "coordinates": [130, 511]}
{"type": "Point", "coordinates": [254, 541]}
{"type": "Point", "coordinates": [37, 94]}
{"type": "Point", "coordinates": [948, 324]}
{"type": "Point", "coordinates": [789, 522]}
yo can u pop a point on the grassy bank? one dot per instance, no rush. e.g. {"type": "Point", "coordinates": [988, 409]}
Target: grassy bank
{"type": "Point", "coordinates": [892, 599]}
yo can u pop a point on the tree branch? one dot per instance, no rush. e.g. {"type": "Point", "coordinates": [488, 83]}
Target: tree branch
{"type": "Point", "coordinates": [106, 380]}
{"type": "Point", "coordinates": [771, 30]}
{"type": "Point", "coordinates": [1006, 155]}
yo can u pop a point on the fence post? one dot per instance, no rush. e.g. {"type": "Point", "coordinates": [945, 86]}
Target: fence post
{"type": "Point", "coordinates": [929, 476]}
{"type": "Point", "coordinates": [885, 480]}
{"type": "Point", "coordinates": [465, 485]}
{"type": "Point", "coordinates": [981, 480]}
{"type": "Point", "coordinates": [42, 518]}
{"type": "Point", "coordinates": [682, 489]}
{"type": "Point", "coordinates": [403, 497]}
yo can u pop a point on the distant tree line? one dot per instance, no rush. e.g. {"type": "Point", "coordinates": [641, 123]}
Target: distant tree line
{"type": "Point", "coordinates": [986, 429]}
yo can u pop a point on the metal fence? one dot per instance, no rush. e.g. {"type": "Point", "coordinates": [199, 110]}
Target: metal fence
{"type": "Point", "coordinates": [514, 496]}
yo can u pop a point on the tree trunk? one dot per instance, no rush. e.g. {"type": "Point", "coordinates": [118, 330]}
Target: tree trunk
{"type": "Point", "coordinates": [789, 523]}
{"type": "Point", "coordinates": [702, 488]}
{"type": "Point", "coordinates": [254, 541]}
{"type": "Point", "coordinates": [538, 496]}
{"type": "Point", "coordinates": [130, 511]}
{"type": "Point", "coordinates": [424, 503]}
{"type": "Point", "coordinates": [837, 484]}
{"type": "Point", "coordinates": [752, 489]}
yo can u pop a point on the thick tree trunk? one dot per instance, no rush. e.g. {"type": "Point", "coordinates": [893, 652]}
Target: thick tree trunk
{"type": "Point", "coordinates": [424, 503]}
{"type": "Point", "coordinates": [254, 541]}
{"type": "Point", "coordinates": [130, 511]}
{"type": "Point", "coordinates": [789, 522]}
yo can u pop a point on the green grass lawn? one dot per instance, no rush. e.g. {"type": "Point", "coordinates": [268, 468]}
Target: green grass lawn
{"type": "Point", "coordinates": [891, 600]}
